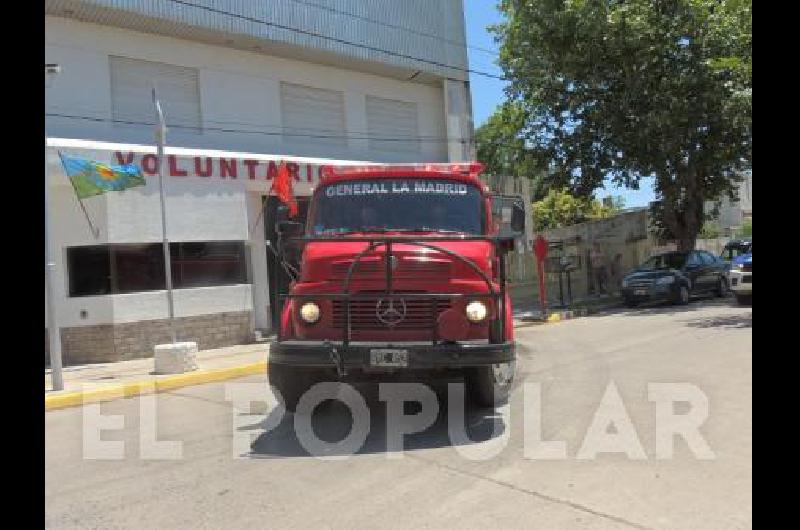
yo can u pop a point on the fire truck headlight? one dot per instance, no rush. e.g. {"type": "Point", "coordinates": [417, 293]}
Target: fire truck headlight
{"type": "Point", "coordinates": [309, 312]}
{"type": "Point", "coordinates": [476, 311]}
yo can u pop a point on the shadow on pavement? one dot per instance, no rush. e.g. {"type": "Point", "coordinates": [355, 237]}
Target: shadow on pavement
{"type": "Point", "coordinates": [666, 308]}
{"type": "Point", "coordinates": [332, 422]}
{"type": "Point", "coordinates": [728, 321]}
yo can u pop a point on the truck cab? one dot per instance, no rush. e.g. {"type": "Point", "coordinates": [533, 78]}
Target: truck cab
{"type": "Point", "coordinates": [400, 273]}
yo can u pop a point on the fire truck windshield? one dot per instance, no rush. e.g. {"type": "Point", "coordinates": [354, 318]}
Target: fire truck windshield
{"type": "Point", "coordinates": [397, 204]}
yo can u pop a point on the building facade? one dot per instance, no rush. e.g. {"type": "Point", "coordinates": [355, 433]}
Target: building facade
{"type": "Point", "coordinates": [732, 214]}
{"type": "Point", "coordinates": [245, 85]}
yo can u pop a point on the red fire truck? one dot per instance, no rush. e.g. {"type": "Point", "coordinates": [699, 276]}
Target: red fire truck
{"type": "Point", "coordinates": [400, 273]}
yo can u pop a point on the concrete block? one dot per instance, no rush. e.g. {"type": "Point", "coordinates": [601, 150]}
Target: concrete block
{"type": "Point", "coordinates": [175, 358]}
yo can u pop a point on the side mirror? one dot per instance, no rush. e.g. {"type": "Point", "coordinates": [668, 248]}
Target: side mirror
{"type": "Point", "coordinates": [289, 229]}
{"type": "Point", "coordinates": [281, 214]}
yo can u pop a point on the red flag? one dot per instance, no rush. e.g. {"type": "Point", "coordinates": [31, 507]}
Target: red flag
{"type": "Point", "coordinates": [282, 187]}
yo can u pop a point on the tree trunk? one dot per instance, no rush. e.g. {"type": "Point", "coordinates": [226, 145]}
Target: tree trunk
{"type": "Point", "coordinates": [683, 212]}
{"type": "Point", "coordinates": [686, 242]}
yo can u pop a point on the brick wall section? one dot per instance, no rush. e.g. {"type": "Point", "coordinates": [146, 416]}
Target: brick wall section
{"type": "Point", "coordinates": [118, 342]}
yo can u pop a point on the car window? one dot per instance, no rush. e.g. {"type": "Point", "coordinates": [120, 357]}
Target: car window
{"type": "Point", "coordinates": [733, 251]}
{"type": "Point", "coordinates": [694, 259]}
{"type": "Point", "coordinates": [707, 258]}
{"type": "Point", "coordinates": [671, 260]}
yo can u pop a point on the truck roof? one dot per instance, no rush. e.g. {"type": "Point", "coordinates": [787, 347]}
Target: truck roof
{"type": "Point", "coordinates": [465, 172]}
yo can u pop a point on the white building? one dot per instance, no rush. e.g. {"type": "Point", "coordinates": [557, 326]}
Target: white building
{"type": "Point", "coordinates": [244, 85]}
{"type": "Point", "coordinates": [731, 214]}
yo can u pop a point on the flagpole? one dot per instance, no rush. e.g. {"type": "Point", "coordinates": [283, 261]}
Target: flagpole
{"type": "Point", "coordinates": [53, 331]}
{"type": "Point", "coordinates": [161, 138]}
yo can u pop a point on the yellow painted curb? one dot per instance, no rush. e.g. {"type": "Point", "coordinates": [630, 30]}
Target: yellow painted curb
{"type": "Point", "coordinates": [555, 317]}
{"type": "Point", "coordinates": [136, 388]}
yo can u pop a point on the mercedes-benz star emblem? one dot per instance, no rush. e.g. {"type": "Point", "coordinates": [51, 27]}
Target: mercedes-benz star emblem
{"type": "Point", "coordinates": [390, 312]}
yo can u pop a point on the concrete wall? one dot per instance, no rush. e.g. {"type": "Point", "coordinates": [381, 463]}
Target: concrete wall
{"type": "Point", "coordinates": [239, 91]}
{"type": "Point", "coordinates": [420, 35]}
{"type": "Point", "coordinates": [209, 208]}
{"type": "Point", "coordinates": [600, 252]}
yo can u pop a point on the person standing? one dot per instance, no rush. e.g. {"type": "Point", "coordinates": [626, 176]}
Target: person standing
{"type": "Point", "coordinates": [599, 269]}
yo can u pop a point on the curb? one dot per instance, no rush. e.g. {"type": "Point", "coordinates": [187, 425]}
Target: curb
{"type": "Point", "coordinates": [151, 386]}
{"type": "Point", "coordinates": [552, 318]}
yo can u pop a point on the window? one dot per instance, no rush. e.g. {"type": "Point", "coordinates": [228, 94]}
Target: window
{"type": "Point", "coordinates": [116, 269]}
{"type": "Point", "coordinates": [694, 259]}
{"type": "Point", "coordinates": [132, 82]}
{"type": "Point", "coordinates": [389, 122]}
{"type": "Point", "coordinates": [313, 116]}
{"type": "Point", "coordinates": [383, 205]}
{"type": "Point", "coordinates": [707, 258]}
{"type": "Point", "coordinates": [208, 264]}
{"type": "Point", "coordinates": [671, 260]}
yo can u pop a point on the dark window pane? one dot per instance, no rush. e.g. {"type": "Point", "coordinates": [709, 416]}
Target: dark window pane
{"type": "Point", "coordinates": [89, 270]}
{"type": "Point", "coordinates": [131, 268]}
{"type": "Point", "coordinates": [204, 264]}
{"type": "Point", "coordinates": [138, 268]}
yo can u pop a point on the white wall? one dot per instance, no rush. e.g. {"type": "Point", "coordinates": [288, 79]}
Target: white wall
{"type": "Point", "coordinates": [238, 90]}
{"type": "Point", "coordinates": [198, 209]}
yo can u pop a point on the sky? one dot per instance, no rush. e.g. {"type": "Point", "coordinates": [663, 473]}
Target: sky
{"type": "Point", "coordinates": [487, 93]}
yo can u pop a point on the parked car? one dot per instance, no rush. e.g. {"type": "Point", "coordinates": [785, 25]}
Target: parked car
{"type": "Point", "coordinates": [741, 277]}
{"type": "Point", "coordinates": [675, 277]}
{"type": "Point", "coordinates": [735, 248]}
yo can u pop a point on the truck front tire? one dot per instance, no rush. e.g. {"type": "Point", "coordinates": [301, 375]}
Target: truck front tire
{"type": "Point", "coordinates": [490, 386]}
{"type": "Point", "coordinates": [291, 383]}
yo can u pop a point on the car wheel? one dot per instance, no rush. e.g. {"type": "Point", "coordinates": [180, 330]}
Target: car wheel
{"type": "Point", "coordinates": [744, 299]}
{"type": "Point", "coordinates": [683, 295]}
{"type": "Point", "coordinates": [722, 288]}
{"type": "Point", "coordinates": [490, 386]}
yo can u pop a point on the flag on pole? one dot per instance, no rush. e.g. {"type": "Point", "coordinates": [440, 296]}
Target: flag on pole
{"type": "Point", "coordinates": [282, 187]}
{"type": "Point", "coordinates": [90, 178]}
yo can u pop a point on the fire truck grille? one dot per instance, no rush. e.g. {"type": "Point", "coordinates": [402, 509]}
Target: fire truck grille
{"type": "Point", "coordinates": [407, 268]}
{"type": "Point", "coordinates": [364, 314]}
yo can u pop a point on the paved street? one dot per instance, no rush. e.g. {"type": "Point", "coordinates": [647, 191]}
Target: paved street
{"type": "Point", "coordinates": [277, 484]}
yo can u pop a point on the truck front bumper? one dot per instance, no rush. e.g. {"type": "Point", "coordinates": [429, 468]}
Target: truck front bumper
{"type": "Point", "coordinates": [420, 355]}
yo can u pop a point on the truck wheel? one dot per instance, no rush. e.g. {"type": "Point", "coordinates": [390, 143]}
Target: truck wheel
{"type": "Point", "coordinates": [490, 386]}
{"type": "Point", "coordinates": [291, 383]}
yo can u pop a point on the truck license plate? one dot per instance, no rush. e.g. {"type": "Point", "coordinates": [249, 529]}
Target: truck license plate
{"type": "Point", "coordinates": [388, 357]}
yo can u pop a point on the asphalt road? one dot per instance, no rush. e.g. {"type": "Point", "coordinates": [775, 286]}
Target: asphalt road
{"type": "Point", "coordinates": [274, 482]}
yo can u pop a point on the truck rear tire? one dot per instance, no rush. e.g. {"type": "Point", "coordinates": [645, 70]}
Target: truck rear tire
{"type": "Point", "coordinates": [291, 383]}
{"type": "Point", "coordinates": [490, 386]}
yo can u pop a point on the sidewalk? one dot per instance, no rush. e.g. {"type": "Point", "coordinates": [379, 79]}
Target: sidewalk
{"type": "Point", "coordinates": [526, 304]}
{"type": "Point", "coordinates": [100, 382]}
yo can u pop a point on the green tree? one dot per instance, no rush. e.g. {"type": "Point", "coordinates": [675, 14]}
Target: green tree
{"type": "Point", "coordinates": [561, 208]}
{"type": "Point", "coordinates": [502, 148]}
{"type": "Point", "coordinates": [747, 228]}
{"type": "Point", "coordinates": [615, 91]}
